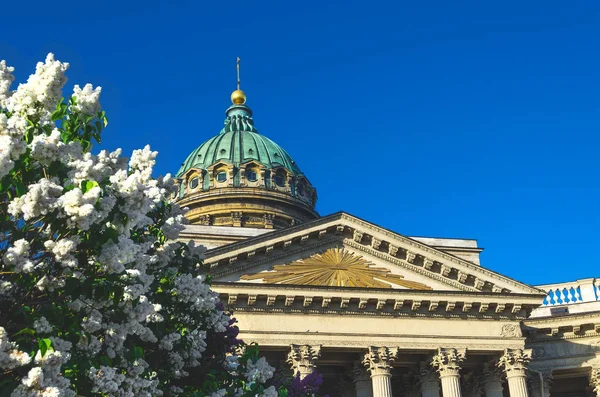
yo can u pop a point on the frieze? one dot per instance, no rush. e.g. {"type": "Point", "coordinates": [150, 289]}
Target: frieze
{"type": "Point", "coordinates": [369, 341]}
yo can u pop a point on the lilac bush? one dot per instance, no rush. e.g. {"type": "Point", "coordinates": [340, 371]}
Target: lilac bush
{"type": "Point", "coordinates": [97, 296]}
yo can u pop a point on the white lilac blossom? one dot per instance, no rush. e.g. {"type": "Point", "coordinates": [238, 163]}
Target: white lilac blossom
{"type": "Point", "coordinates": [87, 233]}
{"type": "Point", "coordinates": [87, 99]}
{"type": "Point", "coordinates": [269, 392]}
{"type": "Point", "coordinates": [259, 372]}
{"type": "Point", "coordinates": [6, 79]}
{"type": "Point", "coordinates": [42, 326]}
{"type": "Point", "coordinates": [10, 356]}
{"type": "Point", "coordinates": [18, 256]}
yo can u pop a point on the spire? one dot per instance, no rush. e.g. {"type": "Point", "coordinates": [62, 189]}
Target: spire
{"type": "Point", "coordinates": [238, 97]}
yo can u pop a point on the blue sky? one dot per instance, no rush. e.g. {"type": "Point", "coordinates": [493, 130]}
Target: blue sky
{"type": "Point", "coordinates": [452, 119]}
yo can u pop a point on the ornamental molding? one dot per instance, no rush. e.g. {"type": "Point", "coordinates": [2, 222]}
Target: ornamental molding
{"type": "Point", "coordinates": [456, 270]}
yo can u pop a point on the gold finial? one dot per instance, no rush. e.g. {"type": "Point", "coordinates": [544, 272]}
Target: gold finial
{"type": "Point", "coordinates": [238, 97]}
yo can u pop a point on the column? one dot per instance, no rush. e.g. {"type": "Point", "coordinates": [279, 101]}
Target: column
{"type": "Point", "coordinates": [362, 381]}
{"type": "Point", "coordinates": [447, 362]}
{"type": "Point", "coordinates": [302, 359]}
{"type": "Point", "coordinates": [492, 379]}
{"type": "Point", "coordinates": [514, 362]}
{"type": "Point", "coordinates": [379, 363]}
{"type": "Point", "coordinates": [430, 381]}
{"type": "Point", "coordinates": [540, 382]}
{"type": "Point", "coordinates": [595, 380]}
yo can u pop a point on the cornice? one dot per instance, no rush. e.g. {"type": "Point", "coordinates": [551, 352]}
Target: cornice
{"type": "Point", "coordinates": [373, 302]}
{"type": "Point", "coordinates": [576, 326]}
{"type": "Point", "coordinates": [408, 266]}
{"type": "Point", "coordinates": [427, 248]}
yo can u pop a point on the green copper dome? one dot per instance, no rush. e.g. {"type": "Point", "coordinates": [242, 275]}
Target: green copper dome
{"type": "Point", "coordinates": [238, 143]}
{"type": "Point", "coordinates": [241, 173]}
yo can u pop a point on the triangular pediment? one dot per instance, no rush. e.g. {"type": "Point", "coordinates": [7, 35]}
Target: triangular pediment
{"type": "Point", "coordinates": [341, 250]}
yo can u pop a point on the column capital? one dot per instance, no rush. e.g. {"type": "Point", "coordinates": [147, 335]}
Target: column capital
{"type": "Point", "coordinates": [514, 361]}
{"type": "Point", "coordinates": [447, 361]}
{"type": "Point", "coordinates": [302, 357]}
{"type": "Point", "coordinates": [378, 360]}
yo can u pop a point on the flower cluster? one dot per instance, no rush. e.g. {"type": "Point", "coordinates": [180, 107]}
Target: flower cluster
{"type": "Point", "coordinates": [93, 280]}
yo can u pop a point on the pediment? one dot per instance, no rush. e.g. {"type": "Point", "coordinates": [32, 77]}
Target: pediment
{"type": "Point", "coordinates": [343, 251]}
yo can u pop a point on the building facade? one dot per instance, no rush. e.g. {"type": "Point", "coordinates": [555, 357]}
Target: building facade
{"type": "Point", "coordinates": [375, 312]}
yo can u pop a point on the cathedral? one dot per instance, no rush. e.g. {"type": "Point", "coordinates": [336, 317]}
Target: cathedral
{"type": "Point", "coordinates": [377, 313]}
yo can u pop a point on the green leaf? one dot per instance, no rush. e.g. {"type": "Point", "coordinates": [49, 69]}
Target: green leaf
{"type": "Point", "coordinates": [44, 345]}
{"type": "Point", "coordinates": [20, 188]}
{"type": "Point", "coordinates": [86, 186]}
{"type": "Point", "coordinates": [25, 331]}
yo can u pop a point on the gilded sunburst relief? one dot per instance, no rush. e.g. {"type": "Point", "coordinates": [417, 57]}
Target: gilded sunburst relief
{"type": "Point", "coordinates": [336, 268]}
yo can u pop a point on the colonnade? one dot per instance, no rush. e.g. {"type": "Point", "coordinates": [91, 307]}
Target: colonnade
{"type": "Point", "coordinates": [372, 376]}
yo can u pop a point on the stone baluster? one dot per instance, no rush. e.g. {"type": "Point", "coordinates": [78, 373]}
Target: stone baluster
{"type": "Point", "coordinates": [514, 362]}
{"type": "Point", "coordinates": [595, 380]}
{"type": "Point", "coordinates": [430, 380]}
{"type": "Point", "coordinates": [362, 381]}
{"type": "Point", "coordinates": [447, 362]}
{"type": "Point", "coordinates": [302, 359]}
{"type": "Point", "coordinates": [492, 379]}
{"type": "Point", "coordinates": [379, 363]}
{"type": "Point", "coordinates": [540, 385]}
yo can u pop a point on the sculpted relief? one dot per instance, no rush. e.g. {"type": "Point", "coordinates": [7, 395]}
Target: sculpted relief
{"type": "Point", "coordinates": [335, 267]}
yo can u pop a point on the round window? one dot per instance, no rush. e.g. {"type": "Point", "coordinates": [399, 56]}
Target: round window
{"type": "Point", "coordinates": [251, 175]}
{"type": "Point", "coordinates": [222, 176]}
{"type": "Point", "coordinates": [279, 180]}
{"type": "Point", "coordinates": [194, 183]}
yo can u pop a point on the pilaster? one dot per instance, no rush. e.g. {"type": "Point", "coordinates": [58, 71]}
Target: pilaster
{"type": "Point", "coordinates": [378, 361]}
{"type": "Point", "coordinates": [447, 362]}
{"type": "Point", "coordinates": [514, 362]}
{"type": "Point", "coordinates": [302, 359]}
